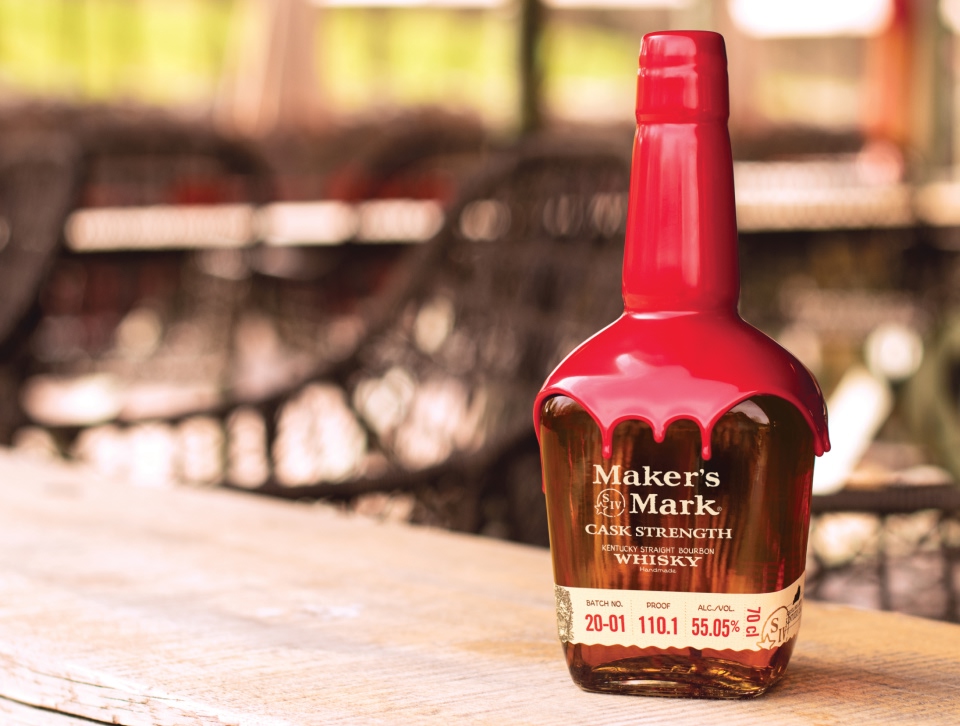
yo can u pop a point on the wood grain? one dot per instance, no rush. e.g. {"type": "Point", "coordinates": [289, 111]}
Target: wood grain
{"type": "Point", "coordinates": [178, 606]}
{"type": "Point", "coordinates": [17, 714]}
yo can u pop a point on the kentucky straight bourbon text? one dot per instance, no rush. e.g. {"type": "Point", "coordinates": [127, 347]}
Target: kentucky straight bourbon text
{"type": "Point", "coordinates": [678, 483]}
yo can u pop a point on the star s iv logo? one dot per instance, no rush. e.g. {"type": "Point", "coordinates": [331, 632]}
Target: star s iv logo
{"type": "Point", "coordinates": [611, 503]}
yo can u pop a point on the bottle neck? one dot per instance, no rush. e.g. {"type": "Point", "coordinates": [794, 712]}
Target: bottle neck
{"type": "Point", "coordinates": [681, 243]}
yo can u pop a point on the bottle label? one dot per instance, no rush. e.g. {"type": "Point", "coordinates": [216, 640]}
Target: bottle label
{"type": "Point", "coordinates": [663, 619]}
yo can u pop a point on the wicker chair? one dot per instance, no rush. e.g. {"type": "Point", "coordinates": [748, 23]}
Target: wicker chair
{"type": "Point", "coordinates": [905, 556]}
{"type": "Point", "coordinates": [438, 397]}
{"type": "Point", "coordinates": [38, 182]}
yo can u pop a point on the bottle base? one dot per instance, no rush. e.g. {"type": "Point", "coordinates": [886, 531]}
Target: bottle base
{"type": "Point", "coordinates": [677, 676]}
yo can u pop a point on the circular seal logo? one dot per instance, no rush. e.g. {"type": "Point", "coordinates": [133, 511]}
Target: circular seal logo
{"type": "Point", "coordinates": [611, 503]}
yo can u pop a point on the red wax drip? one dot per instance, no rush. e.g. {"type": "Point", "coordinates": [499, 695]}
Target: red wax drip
{"type": "Point", "coordinates": [660, 368]}
{"type": "Point", "coordinates": [680, 350]}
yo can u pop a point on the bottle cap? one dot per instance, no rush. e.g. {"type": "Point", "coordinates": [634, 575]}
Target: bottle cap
{"type": "Point", "coordinates": [681, 242]}
{"type": "Point", "coordinates": [682, 77]}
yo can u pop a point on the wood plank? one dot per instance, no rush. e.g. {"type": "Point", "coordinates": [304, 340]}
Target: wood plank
{"type": "Point", "coordinates": [18, 714]}
{"type": "Point", "coordinates": [178, 606]}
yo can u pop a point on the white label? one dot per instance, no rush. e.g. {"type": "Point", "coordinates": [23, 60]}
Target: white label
{"type": "Point", "coordinates": [663, 619]}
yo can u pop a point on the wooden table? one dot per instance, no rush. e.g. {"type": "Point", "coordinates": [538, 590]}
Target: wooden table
{"type": "Point", "coordinates": [178, 606]}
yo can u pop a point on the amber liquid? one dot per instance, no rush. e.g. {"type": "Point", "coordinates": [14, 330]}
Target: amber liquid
{"type": "Point", "coordinates": [762, 453]}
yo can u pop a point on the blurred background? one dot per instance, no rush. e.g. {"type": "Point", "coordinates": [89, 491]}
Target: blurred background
{"type": "Point", "coordinates": [329, 249]}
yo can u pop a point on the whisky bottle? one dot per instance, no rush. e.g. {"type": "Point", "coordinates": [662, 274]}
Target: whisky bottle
{"type": "Point", "coordinates": [677, 444]}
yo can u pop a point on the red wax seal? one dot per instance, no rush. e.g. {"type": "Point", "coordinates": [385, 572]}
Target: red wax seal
{"type": "Point", "coordinates": [681, 350]}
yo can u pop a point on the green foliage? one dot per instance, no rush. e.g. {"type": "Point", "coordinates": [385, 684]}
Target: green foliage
{"type": "Point", "coordinates": [389, 57]}
{"type": "Point", "coordinates": [155, 51]}
{"type": "Point", "coordinates": [173, 52]}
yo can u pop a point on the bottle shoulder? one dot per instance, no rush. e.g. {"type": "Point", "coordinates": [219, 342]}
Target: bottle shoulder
{"type": "Point", "coordinates": [662, 368]}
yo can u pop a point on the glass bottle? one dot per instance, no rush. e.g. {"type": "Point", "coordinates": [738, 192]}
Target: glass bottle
{"type": "Point", "coordinates": [678, 443]}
